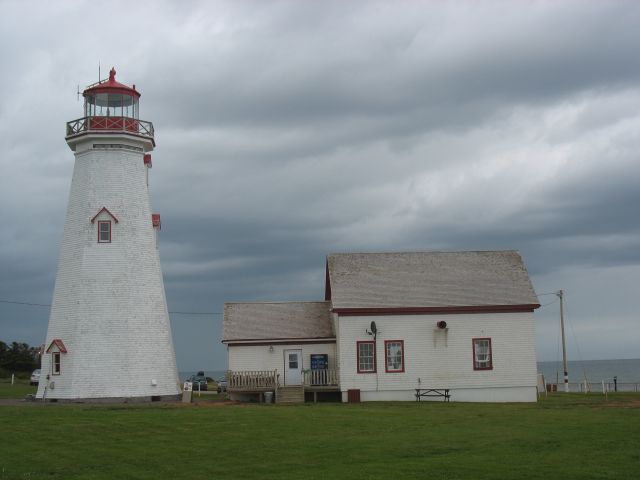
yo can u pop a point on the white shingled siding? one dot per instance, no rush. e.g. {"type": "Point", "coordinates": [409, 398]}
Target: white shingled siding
{"type": "Point", "coordinates": [259, 357]}
{"type": "Point", "coordinates": [109, 305]}
{"type": "Point", "coordinates": [443, 359]}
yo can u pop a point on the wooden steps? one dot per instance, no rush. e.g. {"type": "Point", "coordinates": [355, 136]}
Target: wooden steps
{"type": "Point", "coordinates": [290, 395]}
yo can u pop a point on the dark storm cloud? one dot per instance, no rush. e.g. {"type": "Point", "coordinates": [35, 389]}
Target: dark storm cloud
{"type": "Point", "coordinates": [288, 130]}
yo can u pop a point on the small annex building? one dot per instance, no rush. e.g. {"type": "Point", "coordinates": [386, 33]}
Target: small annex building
{"type": "Point", "coordinates": [392, 323]}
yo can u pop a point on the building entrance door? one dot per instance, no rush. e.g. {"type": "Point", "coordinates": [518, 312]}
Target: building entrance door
{"type": "Point", "coordinates": [293, 367]}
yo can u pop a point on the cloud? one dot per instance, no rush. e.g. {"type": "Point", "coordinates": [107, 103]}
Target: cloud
{"type": "Point", "coordinates": [288, 130]}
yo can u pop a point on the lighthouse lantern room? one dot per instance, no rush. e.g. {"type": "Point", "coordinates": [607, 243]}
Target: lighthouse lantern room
{"type": "Point", "coordinates": [109, 334]}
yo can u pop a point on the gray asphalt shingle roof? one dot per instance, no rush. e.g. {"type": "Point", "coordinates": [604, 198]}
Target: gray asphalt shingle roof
{"type": "Point", "coordinates": [277, 320]}
{"type": "Point", "coordinates": [429, 279]}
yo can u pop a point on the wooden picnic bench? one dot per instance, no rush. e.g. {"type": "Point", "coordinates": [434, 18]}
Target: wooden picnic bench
{"type": "Point", "coordinates": [432, 392]}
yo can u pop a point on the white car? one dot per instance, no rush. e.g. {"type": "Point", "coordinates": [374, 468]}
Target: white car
{"type": "Point", "coordinates": [35, 377]}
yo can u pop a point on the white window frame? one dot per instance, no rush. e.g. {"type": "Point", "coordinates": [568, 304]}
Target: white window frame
{"type": "Point", "coordinates": [368, 357]}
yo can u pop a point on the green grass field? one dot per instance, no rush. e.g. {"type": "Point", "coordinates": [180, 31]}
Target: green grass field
{"type": "Point", "coordinates": [20, 389]}
{"type": "Point", "coordinates": [564, 436]}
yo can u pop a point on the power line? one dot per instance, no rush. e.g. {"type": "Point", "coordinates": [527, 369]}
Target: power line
{"type": "Point", "coordinates": [550, 303]}
{"type": "Point", "coordinates": [48, 305]}
{"type": "Point", "coordinates": [25, 303]}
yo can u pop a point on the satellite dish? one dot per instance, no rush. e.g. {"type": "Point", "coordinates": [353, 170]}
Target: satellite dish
{"type": "Point", "coordinates": [374, 329]}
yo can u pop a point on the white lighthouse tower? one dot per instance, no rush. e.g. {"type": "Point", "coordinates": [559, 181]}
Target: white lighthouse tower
{"type": "Point", "coordinates": [109, 334]}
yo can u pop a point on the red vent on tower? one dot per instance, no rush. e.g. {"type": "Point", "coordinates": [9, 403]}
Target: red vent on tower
{"type": "Point", "coordinates": [147, 160]}
{"type": "Point", "coordinates": [155, 219]}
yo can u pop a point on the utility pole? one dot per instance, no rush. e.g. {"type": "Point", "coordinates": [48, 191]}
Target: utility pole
{"type": "Point", "coordinates": [560, 294]}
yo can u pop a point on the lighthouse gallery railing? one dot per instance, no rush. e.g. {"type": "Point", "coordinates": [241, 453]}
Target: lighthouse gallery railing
{"type": "Point", "coordinates": [110, 124]}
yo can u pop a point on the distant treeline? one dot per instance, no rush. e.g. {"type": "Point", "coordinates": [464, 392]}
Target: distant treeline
{"type": "Point", "coordinates": [18, 358]}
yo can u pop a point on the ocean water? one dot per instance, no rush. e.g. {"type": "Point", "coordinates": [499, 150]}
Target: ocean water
{"type": "Point", "coordinates": [627, 372]}
{"type": "Point", "coordinates": [215, 374]}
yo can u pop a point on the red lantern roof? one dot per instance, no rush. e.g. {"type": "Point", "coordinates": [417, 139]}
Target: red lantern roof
{"type": "Point", "coordinates": [111, 86]}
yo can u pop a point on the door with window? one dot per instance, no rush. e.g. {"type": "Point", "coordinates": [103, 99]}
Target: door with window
{"type": "Point", "coordinates": [293, 367]}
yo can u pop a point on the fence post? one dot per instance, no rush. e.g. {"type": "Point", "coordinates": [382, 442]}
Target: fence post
{"type": "Point", "coordinates": [12, 378]}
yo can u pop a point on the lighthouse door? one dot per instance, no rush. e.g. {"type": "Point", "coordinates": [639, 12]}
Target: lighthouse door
{"type": "Point", "coordinates": [293, 367]}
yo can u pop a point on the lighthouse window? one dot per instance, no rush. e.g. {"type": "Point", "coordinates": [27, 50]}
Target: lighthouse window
{"type": "Point", "coordinates": [104, 231]}
{"type": "Point", "coordinates": [55, 363]}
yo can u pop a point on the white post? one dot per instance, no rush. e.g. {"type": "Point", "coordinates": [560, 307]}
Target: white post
{"type": "Point", "coordinates": [12, 378]}
{"type": "Point", "coordinates": [560, 295]}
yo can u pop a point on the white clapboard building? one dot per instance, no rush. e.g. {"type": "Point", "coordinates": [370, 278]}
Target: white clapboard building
{"type": "Point", "coordinates": [444, 325]}
{"type": "Point", "coordinates": [109, 335]}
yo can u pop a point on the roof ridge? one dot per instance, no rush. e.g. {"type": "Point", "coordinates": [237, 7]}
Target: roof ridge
{"type": "Point", "coordinates": [276, 302]}
{"type": "Point", "coordinates": [422, 251]}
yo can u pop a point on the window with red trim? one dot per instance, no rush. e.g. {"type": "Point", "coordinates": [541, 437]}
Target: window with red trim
{"type": "Point", "coordinates": [482, 355]}
{"type": "Point", "coordinates": [366, 357]}
{"type": "Point", "coordinates": [104, 231]}
{"type": "Point", "coordinates": [394, 356]}
{"type": "Point", "coordinates": [55, 363]}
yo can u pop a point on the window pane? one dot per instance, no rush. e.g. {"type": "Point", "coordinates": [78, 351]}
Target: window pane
{"type": "Point", "coordinates": [482, 353]}
{"type": "Point", "coordinates": [56, 362]}
{"type": "Point", "coordinates": [104, 231]}
{"type": "Point", "coordinates": [293, 360]}
{"type": "Point", "coordinates": [394, 356]}
{"type": "Point", "coordinates": [366, 357]}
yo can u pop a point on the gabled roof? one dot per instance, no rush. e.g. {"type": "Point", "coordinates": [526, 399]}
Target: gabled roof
{"type": "Point", "coordinates": [276, 321]}
{"type": "Point", "coordinates": [104, 209]}
{"type": "Point", "coordinates": [424, 281]}
{"type": "Point", "coordinates": [58, 343]}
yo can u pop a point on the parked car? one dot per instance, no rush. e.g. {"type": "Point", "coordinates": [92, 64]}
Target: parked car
{"type": "Point", "coordinates": [222, 385]}
{"type": "Point", "coordinates": [199, 382]}
{"type": "Point", "coordinates": [35, 377]}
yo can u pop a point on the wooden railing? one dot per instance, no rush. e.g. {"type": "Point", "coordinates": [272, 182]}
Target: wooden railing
{"type": "Point", "coordinates": [252, 380]}
{"type": "Point", "coordinates": [327, 376]}
{"type": "Point", "coordinates": [110, 124]}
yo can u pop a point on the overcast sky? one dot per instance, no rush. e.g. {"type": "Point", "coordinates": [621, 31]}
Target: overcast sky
{"type": "Point", "coordinates": [289, 130]}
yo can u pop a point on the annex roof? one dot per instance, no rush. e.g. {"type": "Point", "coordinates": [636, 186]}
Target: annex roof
{"type": "Point", "coordinates": [417, 280]}
{"type": "Point", "coordinates": [278, 321]}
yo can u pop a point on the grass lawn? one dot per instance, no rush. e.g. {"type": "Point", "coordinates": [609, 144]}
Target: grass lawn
{"type": "Point", "coordinates": [563, 436]}
{"type": "Point", "coordinates": [20, 389]}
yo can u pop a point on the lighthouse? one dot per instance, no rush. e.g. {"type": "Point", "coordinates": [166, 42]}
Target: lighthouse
{"type": "Point", "coordinates": [109, 335]}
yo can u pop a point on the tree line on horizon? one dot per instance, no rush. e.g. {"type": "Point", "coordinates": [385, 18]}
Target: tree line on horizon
{"type": "Point", "coordinates": [18, 358]}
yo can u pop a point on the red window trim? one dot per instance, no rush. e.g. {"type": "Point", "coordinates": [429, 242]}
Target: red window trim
{"type": "Point", "coordinates": [100, 222]}
{"type": "Point", "coordinates": [473, 342]}
{"type": "Point", "coordinates": [53, 363]}
{"type": "Point", "coordinates": [375, 359]}
{"type": "Point", "coordinates": [386, 365]}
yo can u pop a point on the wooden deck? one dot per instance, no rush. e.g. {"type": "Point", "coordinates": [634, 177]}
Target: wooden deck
{"type": "Point", "coordinates": [260, 381]}
{"type": "Point", "coordinates": [252, 381]}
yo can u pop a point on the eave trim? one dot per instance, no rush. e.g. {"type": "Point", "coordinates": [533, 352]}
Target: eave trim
{"type": "Point", "coordinates": [282, 341]}
{"type": "Point", "coordinates": [436, 310]}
